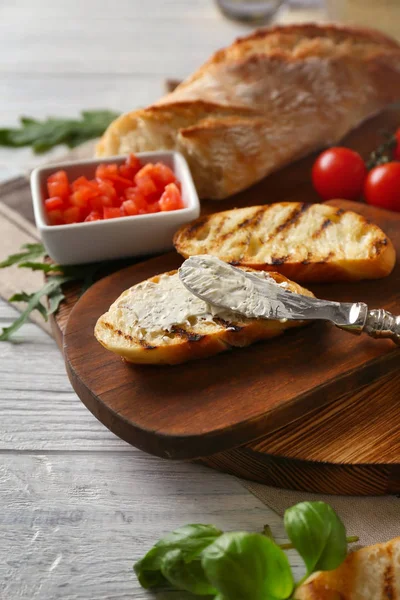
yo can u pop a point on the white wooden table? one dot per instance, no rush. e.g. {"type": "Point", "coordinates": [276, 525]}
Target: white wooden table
{"type": "Point", "coordinates": [77, 505]}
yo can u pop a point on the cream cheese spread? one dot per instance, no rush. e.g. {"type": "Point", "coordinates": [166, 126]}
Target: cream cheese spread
{"type": "Point", "coordinates": [154, 308]}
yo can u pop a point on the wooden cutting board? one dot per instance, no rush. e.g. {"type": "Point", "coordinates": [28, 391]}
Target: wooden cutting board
{"type": "Point", "coordinates": [316, 409]}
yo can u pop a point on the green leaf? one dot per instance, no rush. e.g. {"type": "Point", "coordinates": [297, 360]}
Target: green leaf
{"type": "Point", "coordinates": [40, 266]}
{"type": "Point", "coordinates": [31, 252]}
{"type": "Point", "coordinates": [23, 297]}
{"type": "Point", "coordinates": [318, 535]}
{"type": "Point", "coordinates": [184, 575]}
{"type": "Point", "coordinates": [33, 303]}
{"type": "Point", "coordinates": [44, 135]}
{"type": "Point", "coordinates": [189, 539]}
{"type": "Point", "coordinates": [248, 566]}
{"type": "Point", "coordinates": [55, 298]}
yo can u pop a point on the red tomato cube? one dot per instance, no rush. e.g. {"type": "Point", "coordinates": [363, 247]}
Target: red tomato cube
{"type": "Point", "coordinates": [106, 188]}
{"type": "Point", "coordinates": [129, 208]}
{"type": "Point", "coordinates": [171, 198]}
{"type": "Point", "coordinates": [93, 216]}
{"type": "Point", "coordinates": [145, 183]}
{"type": "Point", "coordinates": [137, 197]}
{"type": "Point", "coordinates": [154, 207]}
{"type": "Point", "coordinates": [72, 215]}
{"type": "Point", "coordinates": [107, 171]}
{"type": "Point", "coordinates": [55, 203]}
{"type": "Point", "coordinates": [111, 212]}
{"type": "Point", "coordinates": [56, 217]}
{"type": "Point", "coordinates": [58, 185]}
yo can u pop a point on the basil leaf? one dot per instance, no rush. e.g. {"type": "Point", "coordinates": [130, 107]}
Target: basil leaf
{"type": "Point", "coordinates": [318, 535]}
{"type": "Point", "coordinates": [187, 576]}
{"type": "Point", "coordinates": [190, 540]}
{"type": "Point", "coordinates": [248, 566]}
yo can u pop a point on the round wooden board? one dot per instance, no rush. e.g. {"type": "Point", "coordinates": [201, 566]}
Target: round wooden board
{"type": "Point", "coordinates": [327, 420]}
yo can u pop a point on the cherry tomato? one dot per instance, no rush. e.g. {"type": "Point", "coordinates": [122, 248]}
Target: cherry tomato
{"type": "Point", "coordinates": [339, 173]}
{"type": "Point", "coordinates": [382, 186]}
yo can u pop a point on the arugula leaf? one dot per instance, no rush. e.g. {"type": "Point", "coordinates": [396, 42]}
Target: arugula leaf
{"type": "Point", "coordinates": [189, 540]}
{"type": "Point", "coordinates": [248, 566]}
{"type": "Point", "coordinates": [34, 303]}
{"type": "Point", "coordinates": [30, 253]}
{"type": "Point", "coordinates": [55, 298]}
{"type": "Point", "coordinates": [24, 297]}
{"type": "Point", "coordinates": [186, 575]}
{"type": "Point", "coordinates": [318, 535]}
{"type": "Point", "coordinates": [44, 135]}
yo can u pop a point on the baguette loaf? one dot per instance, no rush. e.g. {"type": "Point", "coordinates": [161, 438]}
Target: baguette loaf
{"type": "Point", "coordinates": [265, 101]}
{"type": "Point", "coordinates": [305, 242]}
{"type": "Point", "coordinates": [159, 321]}
{"type": "Point", "coordinates": [372, 573]}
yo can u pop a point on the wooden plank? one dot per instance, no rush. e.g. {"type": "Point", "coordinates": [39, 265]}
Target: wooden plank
{"type": "Point", "coordinates": [72, 525]}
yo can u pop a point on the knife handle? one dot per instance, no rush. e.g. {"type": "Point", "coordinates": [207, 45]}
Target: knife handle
{"type": "Point", "coordinates": [381, 323]}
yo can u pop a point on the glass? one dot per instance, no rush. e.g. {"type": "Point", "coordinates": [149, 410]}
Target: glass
{"type": "Point", "coordinates": [383, 14]}
{"type": "Point", "coordinates": [251, 11]}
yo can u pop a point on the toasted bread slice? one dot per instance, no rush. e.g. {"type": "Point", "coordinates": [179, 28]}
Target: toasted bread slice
{"type": "Point", "coordinates": [372, 573]}
{"type": "Point", "coordinates": [305, 242]}
{"type": "Point", "coordinates": [159, 321]}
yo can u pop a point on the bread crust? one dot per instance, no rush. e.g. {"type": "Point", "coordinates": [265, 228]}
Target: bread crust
{"type": "Point", "coordinates": [304, 242]}
{"type": "Point", "coordinates": [266, 100]}
{"type": "Point", "coordinates": [367, 574]}
{"type": "Point", "coordinates": [187, 344]}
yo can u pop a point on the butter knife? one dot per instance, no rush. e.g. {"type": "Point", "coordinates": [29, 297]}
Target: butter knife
{"type": "Point", "coordinates": [259, 296]}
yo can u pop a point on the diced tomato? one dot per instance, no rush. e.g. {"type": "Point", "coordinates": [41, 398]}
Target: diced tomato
{"type": "Point", "coordinates": [111, 212]}
{"type": "Point", "coordinates": [81, 197]}
{"type": "Point", "coordinates": [56, 217]}
{"type": "Point", "coordinates": [171, 198]}
{"type": "Point", "coordinates": [72, 214]}
{"type": "Point", "coordinates": [130, 167]}
{"type": "Point", "coordinates": [106, 188]}
{"type": "Point", "coordinates": [84, 182]}
{"type": "Point", "coordinates": [129, 208]}
{"type": "Point", "coordinates": [126, 190]}
{"type": "Point", "coordinates": [145, 183]}
{"type": "Point", "coordinates": [58, 185]}
{"type": "Point", "coordinates": [93, 216]}
{"type": "Point", "coordinates": [54, 203]}
{"type": "Point", "coordinates": [154, 207]}
{"type": "Point", "coordinates": [162, 175]}
{"type": "Point", "coordinates": [107, 171]}
{"type": "Point", "coordinates": [137, 197]}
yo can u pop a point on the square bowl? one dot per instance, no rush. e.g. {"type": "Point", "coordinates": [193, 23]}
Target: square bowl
{"type": "Point", "coordinates": [79, 243]}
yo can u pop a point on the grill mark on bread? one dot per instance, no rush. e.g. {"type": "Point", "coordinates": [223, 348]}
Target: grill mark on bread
{"type": "Point", "coordinates": [291, 219]}
{"type": "Point", "coordinates": [128, 337]}
{"type": "Point", "coordinates": [196, 225]}
{"type": "Point", "coordinates": [229, 326]}
{"type": "Point", "coordinates": [324, 226]}
{"type": "Point", "coordinates": [186, 335]}
{"type": "Point", "coordinates": [255, 219]}
{"type": "Point", "coordinates": [388, 578]}
{"type": "Point", "coordinates": [279, 260]}
{"type": "Point", "coordinates": [379, 245]}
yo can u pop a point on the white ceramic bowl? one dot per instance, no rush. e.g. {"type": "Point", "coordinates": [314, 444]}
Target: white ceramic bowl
{"type": "Point", "coordinates": [113, 238]}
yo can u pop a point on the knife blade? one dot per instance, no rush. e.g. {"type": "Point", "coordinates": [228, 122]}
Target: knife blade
{"type": "Point", "coordinates": [259, 296]}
